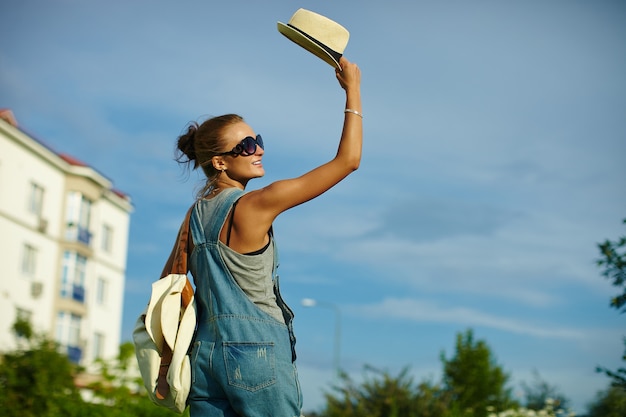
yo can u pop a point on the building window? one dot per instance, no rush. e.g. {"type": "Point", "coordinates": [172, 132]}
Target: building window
{"type": "Point", "coordinates": [68, 334]}
{"type": "Point", "coordinates": [73, 274]}
{"type": "Point", "coordinates": [23, 314]}
{"type": "Point", "coordinates": [29, 260]}
{"type": "Point", "coordinates": [102, 291]}
{"type": "Point", "coordinates": [107, 238]}
{"type": "Point", "coordinates": [35, 200]}
{"type": "Point", "coordinates": [98, 345]}
{"type": "Point", "coordinates": [78, 217]}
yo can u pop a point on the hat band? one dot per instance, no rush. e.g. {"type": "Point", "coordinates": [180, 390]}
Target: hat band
{"type": "Point", "coordinates": [335, 55]}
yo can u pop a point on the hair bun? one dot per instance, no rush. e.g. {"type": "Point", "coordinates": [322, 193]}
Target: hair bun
{"type": "Point", "coordinates": [186, 143]}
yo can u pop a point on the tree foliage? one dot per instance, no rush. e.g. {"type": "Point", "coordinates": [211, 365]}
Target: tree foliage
{"type": "Point", "coordinates": [474, 379]}
{"type": "Point", "coordinates": [472, 382]}
{"type": "Point", "coordinates": [613, 262]}
{"type": "Point", "coordinates": [608, 403]}
{"type": "Point", "coordinates": [384, 395]}
{"type": "Point", "coordinates": [114, 385]}
{"type": "Point", "coordinates": [36, 380]}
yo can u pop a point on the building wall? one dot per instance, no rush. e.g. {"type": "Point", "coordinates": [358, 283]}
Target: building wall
{"type": "Point", "coordinates": [109, 254]}
{"type": "Point", "coordinates": [21, 166]}
{"type": "Point", "coordinates": [66, 273]}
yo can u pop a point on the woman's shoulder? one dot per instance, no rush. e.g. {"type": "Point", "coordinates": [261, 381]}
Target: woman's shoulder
{"type": "Point", "coordinates": [227, 196]}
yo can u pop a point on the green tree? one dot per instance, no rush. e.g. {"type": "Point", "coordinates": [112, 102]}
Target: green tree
{"type": "Point", "coordinates": [613, 261]}
{"type": "Point", "coordinates": [113, 385]}
{"type": "Point", "coordinates": [474, 379]}
{"type": "Point", "coordinates": [37, 381]}
{"type": "Point", "coordinates": [608, 403]}
{"type": "Point", "coordinates": [432, 400]}
{"type": "Point", "coordinates": [473, 385]}
{"type": "Point", "coordinates": [384, 395]}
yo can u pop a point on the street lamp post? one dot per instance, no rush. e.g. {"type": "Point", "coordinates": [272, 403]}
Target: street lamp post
{"type": "Point", "coordinates": [310, 302]}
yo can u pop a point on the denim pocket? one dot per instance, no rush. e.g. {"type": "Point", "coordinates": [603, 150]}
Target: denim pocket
{"type": "Point", "coordinates": [250, 366]}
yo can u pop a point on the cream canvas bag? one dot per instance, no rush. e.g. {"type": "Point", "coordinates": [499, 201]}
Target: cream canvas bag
{"type": "Point", "coordinates": [164, 331]}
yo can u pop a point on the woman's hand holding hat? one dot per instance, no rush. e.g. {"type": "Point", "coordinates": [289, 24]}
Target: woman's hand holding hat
{"type": "Point", "coordinates": [349, 76]}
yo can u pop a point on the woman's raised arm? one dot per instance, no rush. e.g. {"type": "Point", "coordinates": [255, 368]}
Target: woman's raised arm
{"type": "Point", "coordinates": [257, 209]}
{"type": "Point", "coordinates": [285, 194]}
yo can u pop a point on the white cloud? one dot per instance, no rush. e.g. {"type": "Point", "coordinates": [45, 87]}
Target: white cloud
{"type": "Point", "coordinates": [427, 311]}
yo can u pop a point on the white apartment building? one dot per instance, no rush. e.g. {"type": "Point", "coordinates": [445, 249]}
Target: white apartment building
{"type": "Point", "coordinates": [63, 247]}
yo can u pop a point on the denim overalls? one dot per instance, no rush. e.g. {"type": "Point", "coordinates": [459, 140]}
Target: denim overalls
{"type": "Point", "coordinates": [243, 359]}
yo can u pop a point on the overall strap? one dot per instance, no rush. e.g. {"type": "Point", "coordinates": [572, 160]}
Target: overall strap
{"type": "Point", "coordinates": [206, 227]}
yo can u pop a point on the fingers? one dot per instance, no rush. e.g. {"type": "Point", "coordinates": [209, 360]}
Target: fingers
{"type": "Point", "coordinates": [346, 66]}
{"type": "Point", "coordinates": [343, 62]}
{"type": "Point", "coordinates": [349, 74]}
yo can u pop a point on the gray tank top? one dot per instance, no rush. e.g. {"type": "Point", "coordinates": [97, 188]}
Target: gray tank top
{"type": "Point", "coordinates": [253, 274]}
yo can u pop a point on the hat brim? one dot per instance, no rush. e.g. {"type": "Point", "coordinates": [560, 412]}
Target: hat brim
{"type": "Point", "coordinates": [316, 48]}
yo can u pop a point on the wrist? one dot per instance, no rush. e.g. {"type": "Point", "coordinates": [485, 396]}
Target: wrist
{"type": "Point", "coordinates": [353, 92]}
{"type": "Point", "coordinates": [353, 101]}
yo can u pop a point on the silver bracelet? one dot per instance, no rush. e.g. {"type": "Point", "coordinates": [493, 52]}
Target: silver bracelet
{"type": "Point", "coordinates": [353, 112]}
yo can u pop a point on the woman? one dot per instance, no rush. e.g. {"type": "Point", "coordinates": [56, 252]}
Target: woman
{"type": "Point", "coordinates": [243, 356]}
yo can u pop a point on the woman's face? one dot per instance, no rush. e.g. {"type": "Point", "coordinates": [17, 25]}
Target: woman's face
{"type": "Point", "coordinates": [241, 167]}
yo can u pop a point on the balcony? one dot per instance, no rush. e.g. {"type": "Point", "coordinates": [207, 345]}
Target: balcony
{"type": "Point", "coordinates": [84, 235]}
{"type": "Point", "coordinates": [74, 354]}
{"type": "Point", "coordinates": [77, 233]}
{"type": "Point", "coordinates": [78, 293]}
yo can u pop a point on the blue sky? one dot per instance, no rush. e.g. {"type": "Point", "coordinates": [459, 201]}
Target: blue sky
{"type": "Point", "coordinates": [495, 136]}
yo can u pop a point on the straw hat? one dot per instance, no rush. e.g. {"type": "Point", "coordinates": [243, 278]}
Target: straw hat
{"type": "Point", "coordinates": [317, 34]}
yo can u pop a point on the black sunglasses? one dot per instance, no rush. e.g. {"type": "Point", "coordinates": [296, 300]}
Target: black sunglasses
{"type": "Point", "coordinates": [246, 147]}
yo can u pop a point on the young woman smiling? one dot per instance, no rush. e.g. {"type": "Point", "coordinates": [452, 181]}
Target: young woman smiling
{"type": "Point", "coordinates": [243, 354]}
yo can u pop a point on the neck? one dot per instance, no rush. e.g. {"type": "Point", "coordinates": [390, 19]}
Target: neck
{"type": "Point", "coordinates": [224, 183]}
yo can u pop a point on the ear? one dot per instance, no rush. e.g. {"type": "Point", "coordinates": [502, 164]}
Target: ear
{"type": "Point", "coordinates": [218, 163]}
